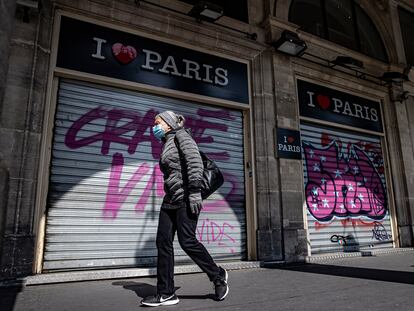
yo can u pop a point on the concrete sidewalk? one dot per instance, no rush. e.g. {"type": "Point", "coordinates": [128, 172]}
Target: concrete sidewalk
{"type": "Point", "coordinates": [382, 282]}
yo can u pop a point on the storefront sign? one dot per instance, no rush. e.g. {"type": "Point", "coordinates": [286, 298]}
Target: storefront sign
{"type": "Point", "coordinates": [319, 102]}
{"type": "Point", "coordinates": [288, 144]}
{"type": "Point", "coordinates": [104, 51]}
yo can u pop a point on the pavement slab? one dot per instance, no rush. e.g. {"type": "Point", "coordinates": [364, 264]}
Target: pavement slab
{"type": "Point", "coordinates": [383, 282]}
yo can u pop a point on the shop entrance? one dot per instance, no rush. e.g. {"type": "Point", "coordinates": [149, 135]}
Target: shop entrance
{"type": "Point", "coordinates": [105, 186]}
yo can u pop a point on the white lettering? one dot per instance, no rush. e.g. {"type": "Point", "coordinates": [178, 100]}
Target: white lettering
{"type": "Point", "coordinates": [98, 53]}
{"type": "Point", "coordinates": [310, 104]}
{"type": "Point", "coordinates": [358, 111]}
{"type": "Point", "coordinates": [193, 67]}
{"type": "Point", "coordinates": [367, 113]}
{"type": "Point", "coordinates": [150, 60]}
{"type": "Point", "coordinates": [170, 64]}
{"type": "Point", "coordinates": [347, 110]}
{"type": "Point", "coordinates": [374, 115]}
{"type": "Point", "coordinates": [221, 74]}
{"type": "Point", "coordinates": [280, 146]}
{"type": "Point", "coordinates": [207, 78]}
{"type": "Point", "coordinates": [338, 104]}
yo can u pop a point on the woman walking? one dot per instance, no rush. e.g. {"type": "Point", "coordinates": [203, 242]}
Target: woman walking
{"type": "Point", "coordinates": [182, 168]}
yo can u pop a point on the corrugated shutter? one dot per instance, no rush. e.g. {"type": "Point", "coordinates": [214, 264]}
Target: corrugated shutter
{"type": "Point", "coordinates": [345, 190]}
{"type": "Point", "coordinates": [106, 187]}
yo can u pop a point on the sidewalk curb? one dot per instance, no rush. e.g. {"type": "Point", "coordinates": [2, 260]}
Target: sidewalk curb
{"type": "Point", "coordinates": [367, 253]}
{"type": "Point", "coordinates": [96, 275]}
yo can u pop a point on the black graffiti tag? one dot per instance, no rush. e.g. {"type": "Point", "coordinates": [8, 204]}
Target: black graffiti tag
{"type": "Point", "coordinates": [380, 233]}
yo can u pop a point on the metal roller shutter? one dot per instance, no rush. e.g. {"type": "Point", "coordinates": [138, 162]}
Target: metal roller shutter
{"type": "Point", "coordinates": [106, 187]}
{"type": "Point", "coordinates": [345, 190]}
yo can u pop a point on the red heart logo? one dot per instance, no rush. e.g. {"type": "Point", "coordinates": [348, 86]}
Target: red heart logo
{"type": "Point", "coordinates": [323, 101]}
{"type": "Point", "coordinates": [291, 139]}
{"type": "Point", "coordinates": [124, 54]}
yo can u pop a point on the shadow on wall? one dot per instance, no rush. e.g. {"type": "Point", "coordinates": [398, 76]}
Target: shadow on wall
{"type": "Point", "coordinates": [348, 243]}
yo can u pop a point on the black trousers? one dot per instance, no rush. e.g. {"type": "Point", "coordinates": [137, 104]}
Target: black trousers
{"type": "Point", "coordinates": [184, 223]}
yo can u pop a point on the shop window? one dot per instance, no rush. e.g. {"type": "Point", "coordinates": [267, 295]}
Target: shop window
{"type": "Point", "coordinates": [230, 8]}
{"type": "Point", "coordinates": [339, 21]}
{"type": "Point", "coordinates": [407, 30]}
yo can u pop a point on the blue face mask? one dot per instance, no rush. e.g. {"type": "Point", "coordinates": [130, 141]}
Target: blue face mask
{"type": "Point", "coordinates": [158, 131]}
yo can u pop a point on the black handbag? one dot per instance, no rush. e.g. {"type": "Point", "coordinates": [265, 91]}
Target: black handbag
{"type": "Point", "coordinates": [212, 176]}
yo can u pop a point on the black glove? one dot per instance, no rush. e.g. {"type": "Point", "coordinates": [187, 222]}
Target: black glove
{"type": "Point", "coordinates": [195, 202]}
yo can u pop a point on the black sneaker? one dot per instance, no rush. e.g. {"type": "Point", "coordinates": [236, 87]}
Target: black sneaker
{"type": "Point", "coordinates": [160, 300]}
{"type": "Point", "coordinates": [220, 286]}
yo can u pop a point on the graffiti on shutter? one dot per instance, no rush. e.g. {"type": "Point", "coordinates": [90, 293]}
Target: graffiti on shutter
{"type": "Point", "coordinates": [106, 185]}
{"type": "Point", "coordinates": [345, 190]}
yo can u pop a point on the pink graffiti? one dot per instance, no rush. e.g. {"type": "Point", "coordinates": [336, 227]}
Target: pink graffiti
{"type": "Point", "coordinates": [342, 184]}
{"type": "Point", "coordinates": [130, 128]}
{"type": "Point", "coordinates": [116, 128]}
{"type": "Point", "coordinates": [116, 196]}
{"type": "Point", "coordinates": [212, 233]}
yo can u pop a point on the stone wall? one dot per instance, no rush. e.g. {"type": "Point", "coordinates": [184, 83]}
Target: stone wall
{"type": "Point", "coordinates": [281, 233]}
{"type": "Point", "coordinates": [20, 135]}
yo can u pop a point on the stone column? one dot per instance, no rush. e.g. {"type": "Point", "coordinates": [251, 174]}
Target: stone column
{"type": "Point", "coordinates": [402, 163]}
{"type": "Point", "coordinates": [7, 11]}
{"type": "Point", "coordinates": [21, 120]}
{"type": "Point", "coordinates": [269, 232]}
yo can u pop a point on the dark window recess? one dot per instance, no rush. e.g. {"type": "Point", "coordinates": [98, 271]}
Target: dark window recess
{"type": "Point", "coordinates": [311, 20]}
{"type": "Point", "coordinates": [231, 8]}
{"type": "Point", "coordinates": [369, 38]}
{"type": "Point", "coordinates": [339, 21]}
{"type": "Point", "coordinates": [407, 30]}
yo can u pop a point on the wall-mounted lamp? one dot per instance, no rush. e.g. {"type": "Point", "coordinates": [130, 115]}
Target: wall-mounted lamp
{"type": "Point", "coordinates": [207, 11]}
{"type": "Point", "coordinates": [290, 43]}
{"type": "Point", "coordinates": [394, 77]}
{"type": "Point", "coordinates": [348, 62]}
{"type": "Point", "coordinates": [202, 11]}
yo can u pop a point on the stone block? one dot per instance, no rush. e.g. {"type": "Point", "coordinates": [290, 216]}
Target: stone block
{"type": "Point", "coordinates": [286, 105]}
{"type": "Point", "coordinates": [14, 107]}
{"type": "Point", "coordinates": [292, 203]}
{"type": "Point", "coordinates": [12, 147]}
{"type": "Point", "coordinates": [263, 210]}
{"type": "Point", "coordinates": [291, 176]}
{"type": "Point", "coordinates": [17, 256]}
{"type": "Point", "coordinates": [406, 235]}
{"type": "Point", "coordinates": [25, 202]}
{"type": "Point", "coordinates": [295, 242]}
{"type": "Point", "coordinates": [275, 209]}
{"type": "Point", "coordinates": [269, 245]}
{"type": "Point", "coordinates": [266, 174]}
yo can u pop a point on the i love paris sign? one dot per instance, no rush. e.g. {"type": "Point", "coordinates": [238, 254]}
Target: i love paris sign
{"type": "Point", "coordinates": [323, 103]}
{"type": "Point", "coordinates": [99, 50]}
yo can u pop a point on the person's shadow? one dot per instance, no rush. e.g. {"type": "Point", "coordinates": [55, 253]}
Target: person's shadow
{"type": "Point", "coordinates": [143, 290]}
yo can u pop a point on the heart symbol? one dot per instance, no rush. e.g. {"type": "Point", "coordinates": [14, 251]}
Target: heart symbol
{"type": "Point", "coordinates": [291, 139]}
{"type": "Point", "coordinates": [124, 54]}
{"type": "Point", "coordinates": [323, 101]}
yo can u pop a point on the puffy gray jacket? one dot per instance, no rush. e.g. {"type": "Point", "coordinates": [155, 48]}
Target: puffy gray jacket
{"type": "Point", "coordinates": [182, 175]}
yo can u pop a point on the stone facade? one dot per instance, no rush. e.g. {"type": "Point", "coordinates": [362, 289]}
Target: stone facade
{"type": "Point", "coordinates": [280, 227]}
